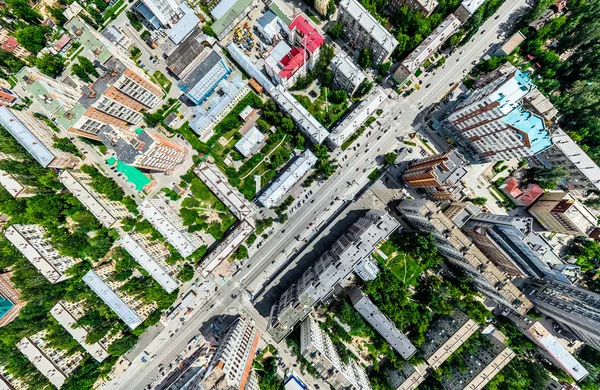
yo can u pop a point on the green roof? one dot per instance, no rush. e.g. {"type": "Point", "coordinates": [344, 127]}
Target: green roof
{"type": "Point", "coordinates": [111, 160]}
{"type": "Point", "coordinates": [234, 12]}
{"type": "Point", "coordinates": [139, 130]}
{"type": "Point", "coordinates": [277, 11]}
{"type": "Point", "coordinates": [87, 40]}
{"type": "Point", "coordinates": [133, 175]}
{"type": "Point", "coordinates": [53, 108]}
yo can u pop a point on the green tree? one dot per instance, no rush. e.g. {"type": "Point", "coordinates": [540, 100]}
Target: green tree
{"type": "Point", "coordinates": [390, 158]}
{"type": "Point", "coordinates": [364, 60]}
{"type": "Point", "coordinates": [50, 65]}
{"type": "Point", "coordinates": [547, 178]}
{"type": "Point", "coordinates": [32, 38]}
{"type": "Point", "coordinates": [479, 201]}
{"type": "Point", "coordinates": [585, 251]}
{"type": "Point", "coordinates": [78, 71]}
{"type": "Point", "coordinates": [336, 30]}
{"type": "Point", "coordinates": [384, 67]}
{"type": "Point", "coordinates": [187, 273]}
{"type": "Point", "coordinates": [10, 62]}
{"type": "Point", "coordinates": [240, 253]}
{"type": "Point", "coordinates": [364, 88]}
{"type": "Point", "coordinates": [59, 15]}
{"type": "Point", "coordinates": [330, 8]}
{"type": "Point", "coordinates": [88, 66]}
{"type": "Point", "coordinates": [23, 10]}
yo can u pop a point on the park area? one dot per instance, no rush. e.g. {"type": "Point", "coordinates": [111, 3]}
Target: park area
{"type": "Point", "coordinates": [328, 107]}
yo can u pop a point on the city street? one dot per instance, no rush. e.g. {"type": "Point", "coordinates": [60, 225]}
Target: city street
{"type": "Point", "coordinates": [347, 181]}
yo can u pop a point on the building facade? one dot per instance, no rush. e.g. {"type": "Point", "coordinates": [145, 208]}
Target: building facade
{"type": "Point", "coordinates": [201, 82]}
{"type": "Point", "coordinates": [425, 7]}
{"type": "Point", "coordinates": [31, 241]}
{"type": "Point", "coordinates": [440, 175]}
{"type": "Point", "coordinates": [107, 211]}
{"type": "Point", "coordinates": [383, 325]}
{"type": "Point", "coordinates": [166, 11]}
{"type": "Point", "coordinates": [346, 74]}
{"type": "Point", "coordinates": [511, 244]}
{"type": "Point", "coordinates": [130, 309]}
{"type": "Point", "coordinates": [318, 282]}
{"type": "Point", "coordinates": [55, 364]}
{"type": "Point", "coordinates": [144, 149]}
{"type": "Point", "coordinates": [168, 222]}
{"type": "Point", "coordinates": [316, 346]}
{"type": "Point", "coordinates": [559, 211]}
{"type": "Point", "coordinates": [231, 365]}
{"type": "Point", "coordinates": [445, 336]}
{"type": "Point", "coordinates": [576, 308]}
{"type": "Point", "coordinates": [483, 365]}
{"type": "Point", "coordinates": [494, 125]}
{"type": "Point", "coordinates": [37, 138]}
{"type": "Point", "coordinates": [460, 251]}
{"type": "Point", "coordinates": [152, 255]}
{"type": "Point", "coordinates": [363, 30]}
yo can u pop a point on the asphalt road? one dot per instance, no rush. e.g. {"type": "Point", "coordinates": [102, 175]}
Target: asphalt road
{"type": "Point", "coordinates": [276, 250]}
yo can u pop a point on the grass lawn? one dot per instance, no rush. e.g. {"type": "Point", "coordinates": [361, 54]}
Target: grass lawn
{"type": "Point", "coordinates": [402, 265]}
{"type": "Point", "coordinates": [318, 109]}
{"type": "Point", "coordinates": [162, 80]}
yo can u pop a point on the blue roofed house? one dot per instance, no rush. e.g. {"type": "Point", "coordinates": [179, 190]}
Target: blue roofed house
{"type": "Point", "coordinates": [493, 125]}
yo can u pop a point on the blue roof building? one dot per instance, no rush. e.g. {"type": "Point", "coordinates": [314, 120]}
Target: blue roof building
{"type": "Point", "coordinates": [202, 81]}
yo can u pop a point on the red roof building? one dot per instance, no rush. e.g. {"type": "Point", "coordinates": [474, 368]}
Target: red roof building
{"type": "Point", "coordinates": [521, 196]}
{"type": "Point", "coordinates": [62, 42]}
{"type": "Point", "coordinates": [308, 36]}
{"type": "Point", "coordinates": [10, 44]}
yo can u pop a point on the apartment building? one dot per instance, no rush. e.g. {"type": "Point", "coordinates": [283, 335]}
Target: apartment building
{"type": "Point", "coordinates": [36, 137]}
{"type": "Point", "coordinates": [559, 211]}
{"type": "Point", "coordinates": [10, 299]}
{"type": "Point", "coordinates": [130, 309]}
{"type": "Point", "coordinates": [316, 346]}
{"type": "Point", "coordinates": [346, 74]}
{"type": "Point", "coordinates": [582, 172]}
{"type": "Point", "coordinates": [445, 336]}
{"type": "Point", "coordinates": [354, 120]}
{"type": "Point", "coordinates": [67, 314]}
{"type": "Point", "coordinates": [167, 12]}
{"type": "Point", "coordinates": [576, 308]}
{"type": "Point", "coordinates": [321, 6]}
{"type": "Point", "coordinates": [550, 347]}
{"type": "Point", "coordinates": [425, 7]}
{"type": "Point", "coordinates": [363, 30]}
{"type": "Point", "coordinates": [55, 364]}
{"type": "Point", "coordinates": [458, 249]}
{"type": "Point", "coordinates": [9, 382]}
{"type": "Point", "coordinates": [467, 8]}
{"type": "Point", "coordinates": [440, 175]}
{"type": "Point", "coordinates": [429, 46]}
{"type": "Point", "coordinates": [319, 281]}
{"type": "Point", "coordinates": [367, 269]}
{"type": "Point", "coordinates": [152, 255]}
{"type": "Point", "coordinates": [7, 97]}
{"type": "Point", "coordinates": [10, 44]}
{"type": "Point", "coordinates": [276, 192]}
{"type": "Point", "coordinates": [493, 124]}
{"type": "Point", "coordinates": [32, 242]}
{"type": "Point", "coordinates": [12, 184]}
{"type": "Point", "coordinates": [231, 365]}
{"type": "Point", "coordinates": [484, 364]}
{"type": "Point", "coordinates": [202, 80]}
{"type": "Point", "coordinates": [408, 378]}
{"type": "Point", "coordinates": [383, 325]}
{"type": "Point", "coordinates": [168, 222]}
{"type": "Point", "coordinates": [144, 149]}
{"type": "Point", "coordinates": [107, 211]}
{"type": "Point", "coordinates": [228, 95]}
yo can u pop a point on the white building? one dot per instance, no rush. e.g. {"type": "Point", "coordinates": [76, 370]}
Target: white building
{"type": "Point", "coordinates": [13, 186]}
{"type": "Point", "coordinates": [286, 180]}
{"type": "Point", "coordinates": [203, 80]}
{"type": "Point", "coordinates": [168, 222]}
{"type": "Point", "coordinates": [367, 107]}
{"type": "Point", "coordinates": [251, 142]}
{"type": "Point", "coordinates": [367, 269]}
{"type": "Point", "coordinates": [107, 211]}
{"type": "Point", "coordinates": [31, 241]}
{"type": "Point", "coordinates": [219, 185]}
{"type": "Point", "coordinates": [130, 309]}
{"type": "Point", "coordinates": [363, 30]}
{"type": "Point", "coordinates": [55, 364]}
{"type": "Point", "coordinates": [166, 11]}
{"type": "Point", "coordinates": [152, 256]}
{"type": "Point", "coordinates": [346, 74]}
{"type": "Point", "coordinates": [316, 346]}
{"type": "Point", "coordinates": [67, 314]}
{"type": "Point", "coordinates": [204, 120]}
{"type": "Point", "coordinates": [271, 26]}
{"type": "Point", "coordinates": [430, 45]}
{"type": "Point", "coordinates": [231, 365]}
{"type": "Point", "coordinates": [36, 137]}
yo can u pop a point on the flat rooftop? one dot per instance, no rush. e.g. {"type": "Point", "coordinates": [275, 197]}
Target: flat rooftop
{"type": "Point", "coordinates": [25, 137]}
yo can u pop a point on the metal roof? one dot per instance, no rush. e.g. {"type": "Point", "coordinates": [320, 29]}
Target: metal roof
{"type": "Point", "coordinates": [25, 137]}
{"type": "Point", "coordinates": [111, 299]}
{"type": "Point", "coordinates": [184, 26]}
{"type": "Point", "coordinates": [369, 23]}
{"type": "Point", "coordinates": [232, 13]}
